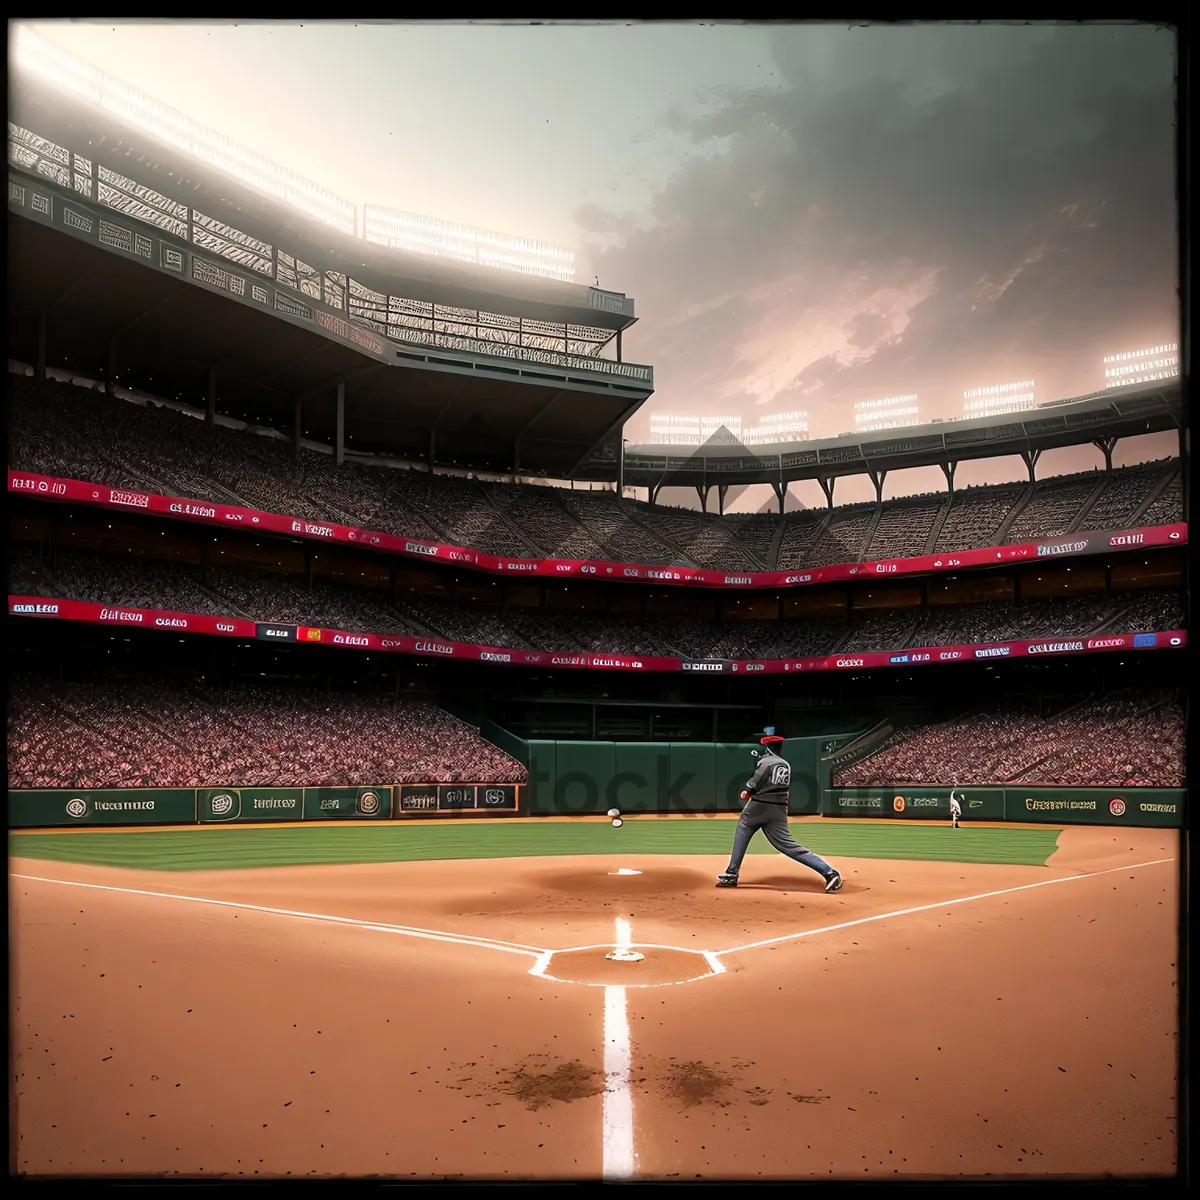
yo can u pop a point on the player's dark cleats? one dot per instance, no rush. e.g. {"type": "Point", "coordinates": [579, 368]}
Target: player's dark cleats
{"type": "Point", "coordinates": [833, 883]}
{"type": "Point", "coordinates": [729, 879]}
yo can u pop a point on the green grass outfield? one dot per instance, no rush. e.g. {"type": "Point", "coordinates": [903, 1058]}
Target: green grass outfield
{"type": "Point", "coordinates": [231, 848]}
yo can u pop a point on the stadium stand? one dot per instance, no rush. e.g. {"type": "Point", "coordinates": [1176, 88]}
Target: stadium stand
{"type": "Point", "coordinates": [975, 515]}
{"type": "Point", "coordinates": [904, 527]}
{"type": "Point", "coordinates": [1133, 738]}
{"type": "Point", "coordinates": [271, 596]}
{"type": "Point", "coordinates": [142, 734]}
{"type": "Point", "coordinates": [75, 432]}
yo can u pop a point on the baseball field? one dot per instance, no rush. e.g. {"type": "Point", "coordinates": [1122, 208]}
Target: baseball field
{"type": "Point", "coordinates": [438, 999]}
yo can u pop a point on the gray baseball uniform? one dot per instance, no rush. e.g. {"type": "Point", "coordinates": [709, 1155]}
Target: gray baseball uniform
{"type": "Point", "coordinates": [767, 809]}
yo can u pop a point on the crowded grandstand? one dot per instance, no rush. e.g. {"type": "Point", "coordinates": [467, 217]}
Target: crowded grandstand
{"type": "Point", "coordinates": [72, 432]}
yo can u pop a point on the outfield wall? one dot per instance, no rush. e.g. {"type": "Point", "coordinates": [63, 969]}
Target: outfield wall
{"type": "Point", "coordinates": [230, 806]}
{"type": "Point", "coordinates": [569, 778]}
{"type": "Point", "coordinates": [1037, 803]}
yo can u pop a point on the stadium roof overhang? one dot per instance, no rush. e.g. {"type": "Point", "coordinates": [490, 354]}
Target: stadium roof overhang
{"type": "Point", "coordinates": [71, 122]}
{"type": "Point", "coordinates": [166, 333]}
{"type": "Point", "coordinates": [1117, 413]}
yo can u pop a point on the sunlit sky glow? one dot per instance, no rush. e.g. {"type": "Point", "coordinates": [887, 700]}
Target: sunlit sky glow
{"type": "Point", "coordinates": [807, 216]}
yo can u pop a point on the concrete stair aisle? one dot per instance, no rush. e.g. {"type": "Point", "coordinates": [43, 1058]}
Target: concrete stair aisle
{"type": "Point", "coordinates": [1087, 506]}
{"type": "Point", "coordinates": [1167, 478]}
{"type": "Point", "coordinates": [1013, 513]}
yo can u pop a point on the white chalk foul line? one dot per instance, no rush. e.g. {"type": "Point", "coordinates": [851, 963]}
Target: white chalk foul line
{"type": "Point", "coordinates": [436, 935]}
{"type": "Point", "coordinates": [907, 912]}
{"type": "Point", "coordinates": [617, 1138]}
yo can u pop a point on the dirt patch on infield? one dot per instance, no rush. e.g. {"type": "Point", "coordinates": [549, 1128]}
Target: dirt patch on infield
{"type": "Point", "coordinates": [693, 1083]}
{"type": "Point", "coordinates": [537, 1085]}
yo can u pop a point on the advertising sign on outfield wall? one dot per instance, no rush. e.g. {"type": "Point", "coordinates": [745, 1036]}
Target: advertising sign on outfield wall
{"type": "Point", "coordinates": [231, 805]}
{"type": "Point", "coordinates": [1026, 803]}
{"type": "Point", "coordinates": [101, 806]}
{"type": "Point", "coordinates": [347, 803]}
{"type": "Point", "coordinates": [915, 803]}
{"type": "Point", "coordinates": [417, 799]}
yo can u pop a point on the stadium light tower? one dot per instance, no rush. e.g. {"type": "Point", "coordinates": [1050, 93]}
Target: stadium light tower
{"type": "Point", "coordinates": [695, 431]}
{"type": "Point", "coordinates": [892, 412]}
{"type": "Point", "coordinates": [777, 427]}
{"type": "Point", "coordinates": [1141, 366]}
{"type": "Point", "coordinates": [1000, 398]}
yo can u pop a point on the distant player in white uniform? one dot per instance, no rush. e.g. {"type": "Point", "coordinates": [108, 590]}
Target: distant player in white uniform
{"type": "Point", "coordinates": [955, 809]}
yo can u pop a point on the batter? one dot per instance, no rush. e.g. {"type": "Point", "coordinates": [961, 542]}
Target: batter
{"type": "Point", "coordinates": [766, 795]}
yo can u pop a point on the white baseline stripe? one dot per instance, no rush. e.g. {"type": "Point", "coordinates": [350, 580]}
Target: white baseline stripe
{"type": "Point", "coordinates": [618, 1092]}
{"type": "Point", "coordinates": [436, 935]}
{"type": "Point", "coordinates": [905, 912]}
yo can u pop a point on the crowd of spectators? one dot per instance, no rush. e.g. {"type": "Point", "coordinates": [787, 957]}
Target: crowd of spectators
{"type": "Point", "coordinates": [904, 528]}
{"type": "Point", "coordinates": [144, 734]}
{"type": "Point", "coordinates": [1126, 739]}
{"type": "Point", "coordinates": [1054, 507]}
{"type": "Point", "coordinates": [274, 596]}
{"type": "Point", "coordinates": [66, 430]}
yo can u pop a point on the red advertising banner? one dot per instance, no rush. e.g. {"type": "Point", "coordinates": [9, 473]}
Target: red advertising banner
{"type": "Point", "coordinates": [210, 513]}
{"type": "Point", "coordinates": [152, 618]}
{"type": "Point", "coordinates": [145, 618]}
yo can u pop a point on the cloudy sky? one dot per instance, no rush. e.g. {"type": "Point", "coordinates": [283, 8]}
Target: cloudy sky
{"type": "Point", "coordinates": [806, 215]}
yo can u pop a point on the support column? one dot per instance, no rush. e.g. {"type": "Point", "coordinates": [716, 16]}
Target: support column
{"type": "Point", "coordinates": [340, 445]}
{"type": "Point", "coordinates": [877, 478]}
{"type": "Point", "coordinates": [110, 367]}
{"type": "Point", "coordinates": [780, 490]}
{"type": "Point", "coordinates": [827, 486]}
{"type": "Point", "coordinates": [654, 489]}
{"type": "Point", "coordinates": [948, 470]}
{"type": "Point", "coordinates": [620, 472]}
{"type": "Point", "coordinates": [619, 345]}
{"type": "Point", "coordinates": [39, 362]}
{"type": "Point", "coordinates": [1030, 458]}
{"type": "Point", "coordinates": [722, 489]}
{"type": "Point", "coordinates": [702, 490]}
{"type": "Point", "coordinates": [210, 411]}
{"type": "Point", "coordinates": [1106, 445]}
{"type": "Point", "coordinates": [297, 424]}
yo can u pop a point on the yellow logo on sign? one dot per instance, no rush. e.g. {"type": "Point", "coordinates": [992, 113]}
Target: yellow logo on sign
{"type": "Point", "coordinates": [898, 804]}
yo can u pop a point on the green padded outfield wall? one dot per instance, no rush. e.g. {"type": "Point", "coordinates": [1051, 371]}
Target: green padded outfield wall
{"type": "Point", "coordinates": [1162, 807]}
{"type": "Point", "coordinates": [583, 777]}
{"type": "Point", "coordinates": [641, 770]}
{"type": "Point", "coordinates": [804, 757]}
{"type": "Point", "coordinates": [101, 806]}
{"type": "Point", "coordinates": [914, 803]}
{"type": "Point", "coordinates": [568, 778]}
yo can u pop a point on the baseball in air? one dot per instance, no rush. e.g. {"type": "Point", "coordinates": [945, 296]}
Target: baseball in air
{"type": "Point", "coordinates": [614, 812]}
{"type": "Point", "coordinates": [617, 822]}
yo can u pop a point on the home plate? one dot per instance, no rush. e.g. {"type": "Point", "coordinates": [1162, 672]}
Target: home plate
{"type": "Point", "coordinates": [625, 871]}
{"type": "Point", "coordinates": [624, 954]}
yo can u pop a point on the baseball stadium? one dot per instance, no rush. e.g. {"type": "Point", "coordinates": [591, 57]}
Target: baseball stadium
{"type": "Point", "coordinates": [379, 734]}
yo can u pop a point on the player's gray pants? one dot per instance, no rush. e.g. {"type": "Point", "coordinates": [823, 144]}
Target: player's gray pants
{"type": "Point", "coordinates": [772, 820]}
